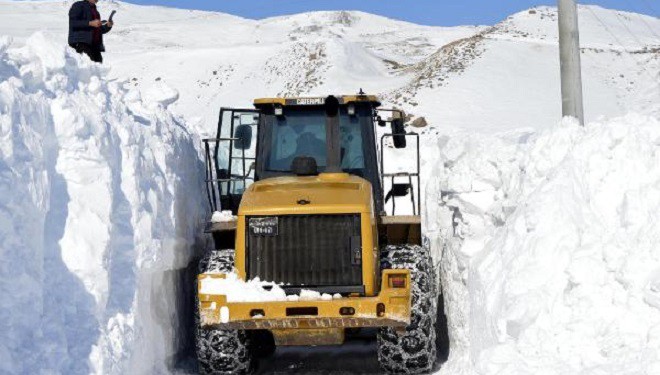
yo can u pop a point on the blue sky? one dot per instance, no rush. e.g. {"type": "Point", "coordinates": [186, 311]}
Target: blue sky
{"type": "Point", "coordinates": [427, 12]}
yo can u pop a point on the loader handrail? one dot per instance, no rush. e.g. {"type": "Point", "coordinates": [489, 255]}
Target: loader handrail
{"type": "Point", "coordinates": [416, 208]}
{"type": "Point", "coordinates": [213, 190]}
{"type": "Point", "coordinates": [210, 186]}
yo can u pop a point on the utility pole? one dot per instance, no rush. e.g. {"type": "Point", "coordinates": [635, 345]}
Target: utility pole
{"type": "Point", "coordinates": [569, 55]}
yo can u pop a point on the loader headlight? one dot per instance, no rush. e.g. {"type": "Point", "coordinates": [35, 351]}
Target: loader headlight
{"type": "Point", "coordinates": [380, 310]}
{"type": "Point", "coordinates": [347, 311]}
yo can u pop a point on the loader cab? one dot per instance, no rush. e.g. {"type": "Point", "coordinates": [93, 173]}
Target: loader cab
{"type": "Point", "coordinates": [261, 143]}
{"type": "Point", "coordinates": [299, 128]}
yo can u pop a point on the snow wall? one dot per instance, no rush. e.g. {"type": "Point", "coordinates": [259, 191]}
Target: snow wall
{"type": "Point", "coordinates": [550, 248]}
{"type": "Point", "coordinates": [101, 200]}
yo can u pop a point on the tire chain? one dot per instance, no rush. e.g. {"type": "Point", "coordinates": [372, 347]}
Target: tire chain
{"type": "Point", "coordinates": [413, 352]}
{"type": "Point", "coordinates": [221, 351]}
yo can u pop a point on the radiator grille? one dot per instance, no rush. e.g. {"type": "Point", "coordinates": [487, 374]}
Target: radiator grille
{"type": "Point", "coordinates": [307, 250]}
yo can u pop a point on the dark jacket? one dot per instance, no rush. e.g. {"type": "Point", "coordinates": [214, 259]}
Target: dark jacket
{"type": "Point", "coordinates": [80, 15]}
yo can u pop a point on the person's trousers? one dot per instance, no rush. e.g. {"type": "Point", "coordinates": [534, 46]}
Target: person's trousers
{"type": "Point", "coordinates": [93, 52]}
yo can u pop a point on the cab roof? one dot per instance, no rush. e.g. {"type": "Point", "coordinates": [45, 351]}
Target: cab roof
{"type": "Point", "coordinates": [316, 101]}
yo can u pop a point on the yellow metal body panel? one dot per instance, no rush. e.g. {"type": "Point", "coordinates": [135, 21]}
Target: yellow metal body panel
{"type": "Point", "coordinates": [361, 98]}
{"type": "Point", "coordinates": [275, 316]}
{"type": "Point", "coordinates": [327, 193]}
{"type": "Point", "coordinates": [308, 337]}
{"type": "Point", "coordinates": [343, 99]}
{"type": "Point", "coordinates": [262, 101]}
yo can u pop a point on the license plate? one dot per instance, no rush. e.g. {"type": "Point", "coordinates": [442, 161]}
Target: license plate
{"type": "Point", "coordinates": [264, 226]}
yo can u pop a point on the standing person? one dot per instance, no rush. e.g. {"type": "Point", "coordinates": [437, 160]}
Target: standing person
{"type": "Point", "coordinates": [86, 29]}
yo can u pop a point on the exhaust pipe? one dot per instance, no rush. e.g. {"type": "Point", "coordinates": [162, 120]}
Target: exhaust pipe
{"type": "Point", "coordinates": [333, 138]}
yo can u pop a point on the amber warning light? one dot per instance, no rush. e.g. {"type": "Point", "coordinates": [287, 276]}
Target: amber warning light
{"type": "Point", "coordinates": [397, 281]}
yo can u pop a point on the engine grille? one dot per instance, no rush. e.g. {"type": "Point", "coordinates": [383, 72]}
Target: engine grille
{"type": "Point", "coordinates": [307, 250]}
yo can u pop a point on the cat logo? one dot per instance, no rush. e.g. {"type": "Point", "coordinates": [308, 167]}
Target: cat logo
{"type": "Point", "coordinates": [310, 101]}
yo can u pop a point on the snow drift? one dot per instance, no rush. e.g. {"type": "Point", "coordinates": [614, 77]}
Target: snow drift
{"type": "Point", "coordinates": [551, 249]}
{"type": "Point", "coordinates": [100, 202]}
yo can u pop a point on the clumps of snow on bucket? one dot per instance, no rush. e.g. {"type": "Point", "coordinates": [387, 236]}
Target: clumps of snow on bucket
{"type": "Point", "coordinates": [100, 206]}
{"type": "Point", "coordinates": [238, 290]}
{"type": "Point", "coordinates": [550, 247]}
{"type": "Point", "coordinates": [222, 217]}
{"type": "Point", "coordinates": [255, 290]}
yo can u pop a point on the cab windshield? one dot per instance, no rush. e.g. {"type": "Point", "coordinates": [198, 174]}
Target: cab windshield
{"type": "Point", "coordinates": [302, 132]}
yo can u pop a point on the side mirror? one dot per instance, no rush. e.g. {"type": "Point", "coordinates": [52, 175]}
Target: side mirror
{"type": "Point", "coordinates": [399, 132]}
{"type": "Point", "coordinates": [243, 135]}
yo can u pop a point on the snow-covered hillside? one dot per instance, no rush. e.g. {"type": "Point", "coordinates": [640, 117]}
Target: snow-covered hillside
{"type": "Point", "coordinates": [458, 78]}
{"type": "Point", "coordinates": [548, 234]}
{"type": "Point", "coordinates": [214, 59]}
{"type": "Point", "coordinates": [508, 76]}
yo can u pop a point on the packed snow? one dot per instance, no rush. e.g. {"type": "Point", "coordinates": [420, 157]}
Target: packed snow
{"type": "Point", "coordinates": [99, 213]}
{"type": "Point", "coordinates": [160, 94]}
{"type": "Point", "coordinates": [551, 249]}
{"type": "Point", "coordinates": [222, 217]}
{"type": "Point", "coordinates": [546, 233]}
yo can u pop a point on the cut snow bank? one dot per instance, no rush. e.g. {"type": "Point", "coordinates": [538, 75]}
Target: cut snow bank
{"type": "Point", "coordinates": [551, 249]}
{"type": "Point", "coordinates": [99, 209]}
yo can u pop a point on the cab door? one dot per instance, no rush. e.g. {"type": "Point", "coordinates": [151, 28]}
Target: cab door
{"type": "Point", "coordinates": [231, 158]}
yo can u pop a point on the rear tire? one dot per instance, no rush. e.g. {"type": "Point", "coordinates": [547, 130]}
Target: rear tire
{"type": "Point", "coordinates": [263, 343]}
{"type": "Point", "coordinates": [221, 351]}
{"type": "Point", "coordinates": [414, 351]}
{"type": "Point", "coordinates": [442, 331]}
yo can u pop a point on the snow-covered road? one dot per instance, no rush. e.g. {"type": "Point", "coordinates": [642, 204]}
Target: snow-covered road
{"type": "Point", "coordinates": [357, 356]}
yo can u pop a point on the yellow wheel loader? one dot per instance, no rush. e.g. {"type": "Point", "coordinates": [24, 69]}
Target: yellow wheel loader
{"type": "Point", "coordinates": [305, 180]}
